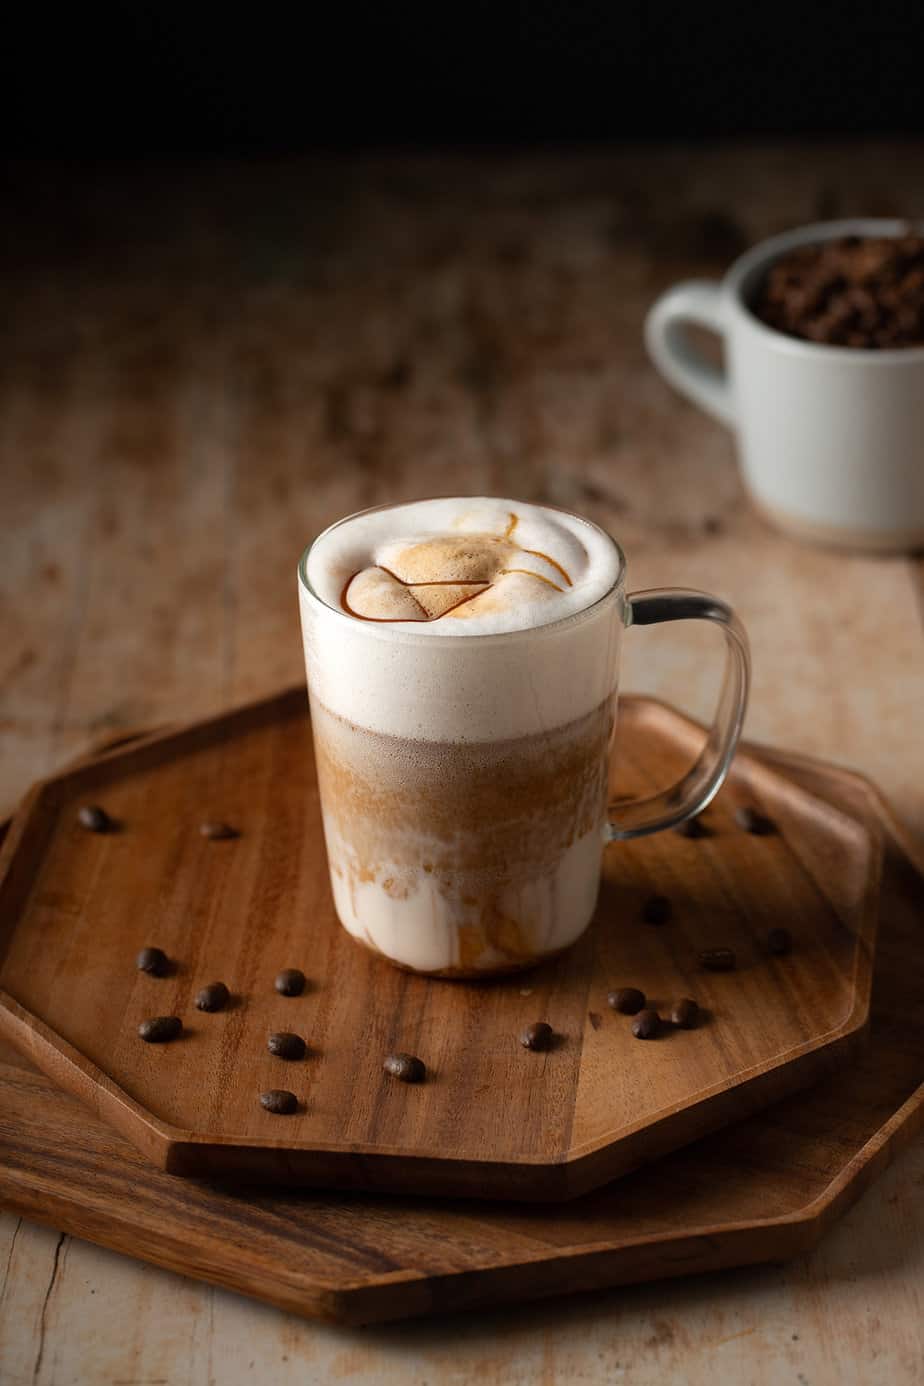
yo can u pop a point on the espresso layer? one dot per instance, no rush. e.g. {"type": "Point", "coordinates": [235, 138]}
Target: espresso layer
{"type": "Point", "coordinates": [464, 856]}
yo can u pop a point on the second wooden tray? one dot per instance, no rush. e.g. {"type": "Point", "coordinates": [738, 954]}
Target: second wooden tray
{"type": "Point", "coordinates": [492, 1119]}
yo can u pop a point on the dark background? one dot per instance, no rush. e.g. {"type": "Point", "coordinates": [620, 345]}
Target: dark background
{"type": "Point", "coordinates": [121, 78]}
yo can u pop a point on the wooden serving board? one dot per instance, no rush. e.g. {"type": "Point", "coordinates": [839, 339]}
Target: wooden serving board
{"type": "Point", "coordinates": [764, 1189]}
{"type": "Point", "coordinates": [492, 1120]}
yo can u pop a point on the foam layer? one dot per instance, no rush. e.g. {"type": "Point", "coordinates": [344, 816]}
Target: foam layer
{"type": "Point", "coordinates": [507, 566]}
{"type": "Point", "coordinates": [553, 652]}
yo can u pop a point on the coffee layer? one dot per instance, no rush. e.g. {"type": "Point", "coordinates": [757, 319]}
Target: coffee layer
{"type": "Point", "coordinates": [464, 857]}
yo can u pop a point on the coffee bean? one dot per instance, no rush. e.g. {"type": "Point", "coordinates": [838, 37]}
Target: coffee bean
{"type": "Point", "coordinates": [217, 832]}
{"type": "Point", "coordinates": [286, 1045]}
{"type": "Point", "coordinates": [657, 910]}
{"type": "Point", "coordinates": [160, 1029]}
{"type": "Point", "coordinates": [685, 1014]}
{"type": "Point", "coordinates": [407, 1068]}
{"type": "Point", "coordinates": [646, 1024]}
{"type": "Point", "coordinates": [627, 1000]}
{"type": "Point", "coordinates": [94, 818]}
{"type": "Point", "coordinates": [779, 942]}
{"type": "Point", "coordinates": [153, 961]}
{"type": "Point", "coordinates": [290, 982]}
{"type": "Point", "coordinates": [279, 1101]}
{"type": "Point", "coordinates": [537, 1036]}
{"type": "Point", "coordinates": [214, 997]}
{"type": "Point", "coordinates": [692, 827]}
{"type": "Point", "coordinates": [717, 959]}
{"type": "Point", "coordinates": [758, 824]}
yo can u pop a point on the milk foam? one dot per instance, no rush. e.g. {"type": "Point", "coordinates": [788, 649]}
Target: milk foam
{"type": "Point", "coordinates": [554, 651]}
{"type": "Point", "coordinates": [523, 565]}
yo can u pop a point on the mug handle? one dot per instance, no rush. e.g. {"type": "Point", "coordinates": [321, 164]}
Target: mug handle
{"type": "Point", "coordinates": [695, 790]}
{"type": "Point", "coordinates": [698, 301]}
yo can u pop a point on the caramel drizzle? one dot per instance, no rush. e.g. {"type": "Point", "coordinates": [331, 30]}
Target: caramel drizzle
{"type": "Point", "coordinates": [454, 582]}
{"type": "Point", "coordinates": [417, 620]}
{"type": "Point", "coordinates": [537, 553]}
{"type": "Point", "coordinates": [528, 572]}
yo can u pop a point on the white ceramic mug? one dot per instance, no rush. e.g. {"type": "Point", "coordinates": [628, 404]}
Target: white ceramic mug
{"type": "Point", "coordinates": [830, 438]}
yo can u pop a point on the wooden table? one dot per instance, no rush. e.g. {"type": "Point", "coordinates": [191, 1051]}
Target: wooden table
{"type": "Point", "coordinates": [202, 366]}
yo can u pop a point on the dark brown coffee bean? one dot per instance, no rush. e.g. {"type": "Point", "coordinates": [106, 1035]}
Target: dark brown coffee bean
{"type": "Point", "coordinates": [407, 1068]}
{"type": "Point", "coordinates": [657, 910]}
{"type": "Point", "coordinates": [217, 832]}
{"type": "Point", "coordinates": [153, 961]}
{"type": "Point", "coordinates": [754, 822]}
{"type": "Point", "coordinates": [627, 1000]}
{"type": "Point", "coordinates": [779, 942]}
{"type": "Point", "coordinates": [279, 1101]}
{"type": "Point", "coordinates": [717, 959]}
{"type": "Point", "coordinates": [646, 1024]}
{"type": "Point", "coordinates": [290, 982]}
{"type": "Point", "coordinates": [160, 1029]}
{"type": "Point", "coordinates": [693, 827]}
{"type": "Point", "coordinates": [94, 818]}
{"type": "Point", "coordinates": [214, 997]}
{"type": "Point", "coordinates": [537, 1036]}
{"type": "Point", "coordinates": [285, 1045]}
{"type": "Point", "coordinates": [685, 1014]}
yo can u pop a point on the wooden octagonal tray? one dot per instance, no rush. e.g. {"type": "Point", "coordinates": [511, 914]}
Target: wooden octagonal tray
{"type": "Point", "coordinates": [762, 1190]}
{"type": "Point", "coordinates": [492, 1120]}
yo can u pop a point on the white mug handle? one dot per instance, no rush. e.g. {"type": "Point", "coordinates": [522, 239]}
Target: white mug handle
{"type": "Point", "coordinates": [698, 301]}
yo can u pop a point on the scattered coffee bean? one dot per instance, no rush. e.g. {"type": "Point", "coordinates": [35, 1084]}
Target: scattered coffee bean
{"type": "Point", "coordinates": [754, 822]}
{"type": "Point", "coordinates": [657, 910]}
{"type": "Point", "coordinates": [94, 818]}
{"type": "Point", "coordinates": [537, 1036]}
{"type": "Point", "coordinates": [685, 1014]}
{"type": "Point", "coordinates": [285, 1045]}
{"type": "Point", "coordinates": [279, 1101]}
{"type": "Point", "coordinates": [214, 997]}
{"type": "Point", "coordinates": [692, 827]}
{"type": "Point", "coordinates": [407, 1068]}
{"type": "Point", "coordinates": [627, 1000]}
{"type": "Point", "coordinates": [717, 959]}
{"type": "Point", "coordinates": [160, 1029]}
{"type": "Point", "coordinates": [217, 832]}
{"type": "Point", "coordinates": [290, 982]}
{"type": "Point", "coordinates": [779, 942]}
{"type": "Point", "coordinates": [646, 1024]}
{"type": "Point", "coordinates": [153, 961]}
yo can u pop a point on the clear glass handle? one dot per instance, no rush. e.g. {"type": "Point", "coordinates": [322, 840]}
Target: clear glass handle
{"type": "Point", "coordinates": [702, 781]}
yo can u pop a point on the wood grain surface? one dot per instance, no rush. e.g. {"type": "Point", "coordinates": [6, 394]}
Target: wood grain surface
{"type": "Point", "coordinates": [765, 1189]}
{"type": "Point", "coordinates": [200, 367]}
{"type": "Point", "coordinates": [492, 1120]}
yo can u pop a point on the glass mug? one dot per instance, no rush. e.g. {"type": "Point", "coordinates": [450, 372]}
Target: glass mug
{"type": "Point", "coordinates": [463, 778]}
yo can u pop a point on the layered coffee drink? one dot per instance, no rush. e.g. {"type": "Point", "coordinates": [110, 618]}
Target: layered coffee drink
{"type": "Point", "coordinates": [462, 658]}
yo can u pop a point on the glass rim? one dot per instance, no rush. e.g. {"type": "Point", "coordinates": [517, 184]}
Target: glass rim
{"type": "Point", "coordinates": [388, 630]}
